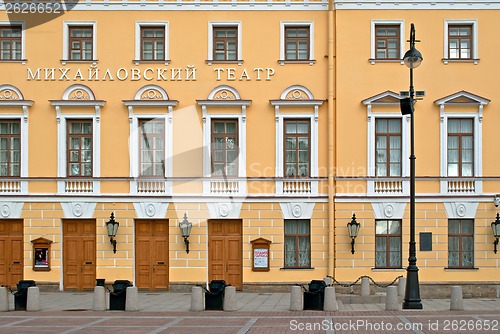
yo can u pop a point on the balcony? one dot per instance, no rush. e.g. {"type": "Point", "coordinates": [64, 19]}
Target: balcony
{"type": "Point", "coordinates": [388, 186]}
{"type": "Point", "coordinates": [294, 187]}
{"type": "Point", "coordinates": [12, 186]}
{"type": "Point", "coordinates": [78, 186]}
{"type": "Point", "coordinates": [224, 186]}
{"type": "Point", "coordinates": [461, 186]}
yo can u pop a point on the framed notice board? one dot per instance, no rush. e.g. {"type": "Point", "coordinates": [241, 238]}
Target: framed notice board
{"type": "Point", "coordinates": [41, 254]}
{"type": "Point", "coordinates": [260, 254]}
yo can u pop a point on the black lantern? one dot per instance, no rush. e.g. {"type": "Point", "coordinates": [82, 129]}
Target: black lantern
{"type": "Point", "coordinates": [495, 226]}
{"type": "Point", "coordinates": [185, 227]}
{"type": "Point", "coordinates": [112, 227]}
{"type": "Point", "coordinates": [353, 229]}
{"type": "Point", "coordinates": [412, 58]}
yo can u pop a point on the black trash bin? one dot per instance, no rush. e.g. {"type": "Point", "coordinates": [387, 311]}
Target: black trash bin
{"type": "Point", "coordinates": [214, 297]}
{"type": "Point", "coordinates": [314, 297]}
{"type": "Point", "coordinates": [118, 297]}
{"type": "Point", "coordinates": [21, 295]}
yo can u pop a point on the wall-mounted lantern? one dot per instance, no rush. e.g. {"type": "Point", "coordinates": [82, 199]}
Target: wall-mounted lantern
{"type": "Point", "coordinates": [185, 227]}
{"type": "Point", "coordinates": [112, 227]}
{"type": "Point", "coordinates": [353, 228]}
{"type": "Point", "coordinates": [495, 226]}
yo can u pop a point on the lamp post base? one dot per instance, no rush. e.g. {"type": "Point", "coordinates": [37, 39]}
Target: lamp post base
{"type": "Point", "coordinates": [412, 293]}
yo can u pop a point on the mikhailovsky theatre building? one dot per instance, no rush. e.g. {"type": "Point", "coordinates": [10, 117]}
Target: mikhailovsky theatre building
{"type": "Point", "coordinates": [266, 125]}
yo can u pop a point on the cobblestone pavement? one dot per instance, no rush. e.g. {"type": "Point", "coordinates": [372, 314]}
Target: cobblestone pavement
{"type": "Point", "coordinates": [167, 312]}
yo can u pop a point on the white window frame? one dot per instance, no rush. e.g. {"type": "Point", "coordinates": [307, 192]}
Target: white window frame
{"type": "Point", "coordinates": [474, 46]}
{"type": "Point", "coordinates": [62, 119]}
{"type": "Point", "coordinates": [214, 103]}
{"type": "Point", "coordinates": [157, 109]}
{"type": "Point", "coordinates": [286, 24]}
{"type": "Point", "coordinates": [228, 24]}
{"type": "Point", "coordinates": [24, 105]}
{"type": "Point", "coordinates": [23, 38]}
{"type": "Point", "coordinates": [66, 26]}
{"type": "Point", "coordinates": [142, 24]}
{"type": "Point", "coordinates": [373, 46]}
{"type": "Point", "coordinates": [382, 103]}
{"type": "Point", "coordinates": [477, 116]}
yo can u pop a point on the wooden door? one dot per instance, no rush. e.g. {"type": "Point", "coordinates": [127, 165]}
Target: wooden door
{"type": "Point", "coordinates": [151, 254]}
{"type": "Point", "coordinates": [225, 251]}
{"type": "Point", "coordinates": [11, 251]}
{"type": "Point", "coordinates": [79, 255]}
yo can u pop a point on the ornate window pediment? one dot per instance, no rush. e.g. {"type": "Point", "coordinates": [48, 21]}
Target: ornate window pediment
{"type": "Point", "coordinates": [462, 98]}
{"type": "Point", "coordinates": [386, 98]}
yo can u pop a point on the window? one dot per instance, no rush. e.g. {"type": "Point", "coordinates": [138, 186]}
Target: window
{"type": "Point", "coordinates": [460, 41]}
{"type": "Point", "coordinates": [297, 154]}
{"type": "Point", "coordinates": [80, 43]}
{"type": "Point", "coordinates": [10, 148]}
{"type": "Point", "coordinates": [152, 148]}
{"type": "Point", "coordinates": [225, 43]}
{"type": "Point", "coordinates": [79, 147]}
{"type": "Point", "coordinates": [460, 243]}
{"type": "Point", "coordinates": [297, 43]}
{"type": "Point", "coordinates": [460, 147]}
{"type": "Point", "coordinates": [224, 147]}
{"type": "Point", "coordinates": [388, 147]}
{"type": "Point", "coordinates": [388, 244]}
{"type": "Point", "coordinates": [297, 243]}
{"type": "Point", "coordinates": [10, 43]}
{"type": "Point", "coordinates": [153, 43]}
{"type": "Point", "coordinates": [387, 41]}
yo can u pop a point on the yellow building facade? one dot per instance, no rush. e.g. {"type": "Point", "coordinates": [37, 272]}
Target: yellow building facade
{"type": "Point", "coordinates": [268, 124]}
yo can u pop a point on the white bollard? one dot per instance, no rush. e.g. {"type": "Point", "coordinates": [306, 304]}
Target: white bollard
{"type": "Point", "coordinates": [401, 288]}
{"type": "Point", "coordinates": [99, 300]}
{"type": "Point", "coordinates": [391, 299]}
{"type": "Point", "coordinates": [132, 299]}
{"type": "Point", "coordinates": [330, 302]}
{"type": "Point", "coordinates": [456, 298]}
{"type": "Point", "coordinates": [4, 299]}
{"type": "Point", "coordinates": [296, 303]}
{"type": "Point", "coordinates": [365, 287]}
{"type": "Point", "coordinates": [33, 301]}
{"type": "Point", "coordinates": [197, 299]}
{"type": "Point", "coordinates": [229, 302]}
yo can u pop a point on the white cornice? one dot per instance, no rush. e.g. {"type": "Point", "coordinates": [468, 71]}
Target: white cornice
{"type": "Point", "coordinates": [416, 4]}
{"type": "Point", "coordinates": [196, 5]}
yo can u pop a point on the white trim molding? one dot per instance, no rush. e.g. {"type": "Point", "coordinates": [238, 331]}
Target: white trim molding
{"type": "Point", "coordinates": [373, 48]}
{"type": "Point", "coordinates": [467, 105]}
{"type": "Point", "coordinates": [461, 210]}
{"type": "Point", "coordinates": [225, 210]}
{"type": "Point", "coordinates": [141, 24]}
{"type": "Point", "coordinates": [224, 96]}
{"type": "Point", "coordinates": [474, 46]}
{"type": "Point", "coordinates": [297, 210]}
{"type": "Point", "coordinates": [12, 98]}
{"type": "Point", "coordinates": [228, 24]}
{"type": "Point", "coordinates": [286, 24]}
{"type": "Point", "coordinates": [292, 98]}
{"type": "Point", "coordinates": [82, 98]}
{"type": "Point", "coordinates": [11, 209]}
{"type": "Point", "coordinates": [65, 41]}
{"type": "Point", "coordinates": [386, 105]}
{"type": "Point", "coordinates": [389, 210]}
{"type": "Point", "coordinates": [151, 210]}
{"type": "Point", "coordinates": [78, 209]}
{"type": "Point", "coordinates": [154, 100]}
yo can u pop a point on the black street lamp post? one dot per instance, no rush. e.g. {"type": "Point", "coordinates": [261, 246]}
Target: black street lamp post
{"type": "Point", "coordinates": [412, 59]}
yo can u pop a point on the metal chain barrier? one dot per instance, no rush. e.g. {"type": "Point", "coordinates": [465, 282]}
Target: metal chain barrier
{"type": "Point", "coordinates": [360, 277]}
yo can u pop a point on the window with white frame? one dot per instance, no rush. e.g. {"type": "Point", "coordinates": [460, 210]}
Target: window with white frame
{"type": "Point", "coordinates": [387, 42]}
{"type": "Point", "coordinates": [224, 42]}
{"type": "Point", "coordinates": [460, 136]}
{"type": "Point", "coordinates": [296, 42]}
{"type": "Point", "coordinates": [388, 147]}
{"type": "Point", "coordinates": [152, 147]}
{"type": "Point", "coordinates": [460, 41]}
{"type": "Point", "coordinates": [79, 41]}
{"type": "Point", "coordinates": [151, 42]}
{"type": "Point", "coordinates": [12, 41]}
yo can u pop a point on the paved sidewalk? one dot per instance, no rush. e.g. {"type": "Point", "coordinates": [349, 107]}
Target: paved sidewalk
{"type": "Point", "coordinates": [257, 313]}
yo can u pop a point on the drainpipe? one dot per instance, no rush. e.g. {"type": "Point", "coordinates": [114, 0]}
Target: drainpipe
{"type": "Point", "coordinates": [331, 139]}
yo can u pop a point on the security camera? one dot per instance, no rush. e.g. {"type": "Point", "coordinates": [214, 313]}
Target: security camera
{"type": "Point", "coordinates": [496, 200]}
